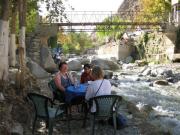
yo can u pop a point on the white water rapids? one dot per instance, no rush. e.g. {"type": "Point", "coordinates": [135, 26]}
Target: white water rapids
{"type": "Point", "coordinates": [165, 100]}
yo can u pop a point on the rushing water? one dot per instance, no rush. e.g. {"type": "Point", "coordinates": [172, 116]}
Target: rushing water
{"type": "Point", "coordinates": [165, 100]}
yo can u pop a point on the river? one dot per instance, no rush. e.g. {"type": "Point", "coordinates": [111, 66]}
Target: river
{"type": "Point", "coordinates": [165, 100]}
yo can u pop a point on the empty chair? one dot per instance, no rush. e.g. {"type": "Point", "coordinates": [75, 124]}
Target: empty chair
{"type": "Point", "coordinates": [44, 110]}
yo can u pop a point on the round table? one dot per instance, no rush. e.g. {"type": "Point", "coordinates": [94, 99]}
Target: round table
{"type": "Point", "coordinates": [73, 92]}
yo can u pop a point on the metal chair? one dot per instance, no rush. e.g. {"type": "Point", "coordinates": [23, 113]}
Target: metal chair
{"type": "Point", "coordinates": [44, 110]}
{"type": "Point", "coordinates": [106, 107]}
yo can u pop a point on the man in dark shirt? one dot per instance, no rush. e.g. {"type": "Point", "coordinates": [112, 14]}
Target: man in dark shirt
{"type": "Point", "coordinates": [86, 75]}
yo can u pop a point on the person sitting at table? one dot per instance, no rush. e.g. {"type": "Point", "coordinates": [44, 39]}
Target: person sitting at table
{"type": "Point", "coordinates": [63, 79]}
{"type": "Point", "coordinates": [86, 75]}
{"type": "Point", "coordinates": [97, 87]}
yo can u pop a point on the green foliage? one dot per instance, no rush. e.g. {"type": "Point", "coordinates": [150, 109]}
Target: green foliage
{"type": "Point", "coordinates": [52, 42]}
{"type": "Point", "coordinates": [31, 20]}
{"type": "Point", "coordinates": [146, 38]}
{"type": "Point", "coordinates": [113, 31]}
{"type": "Point", "coordinates": [154, 10]}
{"type": "Point", "coordinates": [149, 47]}
{"type": "Point", "coordinates": [76, 42]}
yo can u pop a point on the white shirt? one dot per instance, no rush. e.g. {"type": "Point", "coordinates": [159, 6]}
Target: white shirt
{"type": "Point", "coordinates": [105, 89]}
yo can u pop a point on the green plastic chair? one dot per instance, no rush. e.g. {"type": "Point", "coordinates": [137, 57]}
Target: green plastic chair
{"type": "Point", "coordinates": [57, 95]}
{"type": "Point", "coordinates": [44, 110]}
{"type": "Point", "coordinates": [106, 107]}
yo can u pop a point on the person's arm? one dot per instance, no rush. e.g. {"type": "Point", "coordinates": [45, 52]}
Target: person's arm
{"type": "Point", "coordinates": [89, 92]}
{"type": "Point", "coordinates": [82, 78]}
{"type": "Point", "coordinates": [57, 80]}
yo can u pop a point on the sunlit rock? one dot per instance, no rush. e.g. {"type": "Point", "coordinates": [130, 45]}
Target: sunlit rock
{"type": "Point", "coordinates": [105, 64]}
{"type": "Point", "coordinates": [37, 70]}
{"type": "Point", "coordinates": [74, 65]}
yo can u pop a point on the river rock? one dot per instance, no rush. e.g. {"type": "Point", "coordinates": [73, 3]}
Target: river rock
{"type": "Point", "coordinates": [114, 82]}
{"type": "Point", "coordinates": [161, 72]}
{"type": "Point", "coordinates": [154, 73]}
{"type": "Point", "coordinates": [115, 77]}
{"type": "Point", "coordinates": [161, 82]}
{"type": "Point", "coordinates": [47, 61]}
{"type": "Point", "coordinates": [141, 62]}
{"type": "Point", "coordinates": [129, 59]}
{"type": "Point", "coordinates": [108, 74]}
{"type": "Point", "coordinates": [129, 66]}
{"type": "Point", "coordinates": [37, 70]}
{"type": "Point", "coordinates": [147, 71]}
{"type": "Point", "coordinates": [105, 64]}
{"type": "Point", "coordinates": [147, 108]}
{"type": "Point", "coordinates": [74, 65]}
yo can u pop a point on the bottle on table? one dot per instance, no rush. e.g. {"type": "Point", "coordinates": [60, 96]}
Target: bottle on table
{"type": "Point", "coordinates": [76, 83]}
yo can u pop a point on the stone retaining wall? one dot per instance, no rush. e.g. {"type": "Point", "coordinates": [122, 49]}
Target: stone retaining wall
{"type": "Point", "coordinates": [119, 51]}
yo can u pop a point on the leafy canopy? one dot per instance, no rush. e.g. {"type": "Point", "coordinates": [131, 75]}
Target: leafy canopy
{"type": "Point", "coordinates": [109, 30]}
{"type": "Point", "coordinates": [153, 10]}
{"type": "Point", "coordinates": [75, 42]}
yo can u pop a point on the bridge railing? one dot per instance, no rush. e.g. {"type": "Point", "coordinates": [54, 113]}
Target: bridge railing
{"type": "Point", "coordinates": [95, 17]}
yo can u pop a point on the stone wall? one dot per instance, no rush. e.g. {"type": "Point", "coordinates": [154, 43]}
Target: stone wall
{"type": "Point", "coordinates": [117, 50]}
{"type": "Point", "coordinates": [37, 46]}
{"type": "Point", "coordinates": [159, 48]}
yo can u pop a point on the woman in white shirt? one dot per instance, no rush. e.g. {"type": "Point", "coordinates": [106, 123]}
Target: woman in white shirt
{"type": "Point", "coordinates": [97, 87]}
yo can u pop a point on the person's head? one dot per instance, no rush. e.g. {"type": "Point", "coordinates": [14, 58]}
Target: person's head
{"type": "Point", "coordinates": [97, 73]}
{"type": "Point", "coordinates": [63, 67]}
{"type": "Point", "coordinates": [87, 68]}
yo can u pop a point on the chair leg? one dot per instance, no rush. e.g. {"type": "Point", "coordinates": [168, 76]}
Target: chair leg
{"type": "Point", "coordinates": [51, 123]}
{"type": "Point", "coordinates": [85, 110]}
{"type": "Point", "coordinates": [34, 124]}
{"type": "Point", "coordinates": [114, 123]}
{"type": "Point", "coordinates": [68, 122]}
{"type": "Point", "coordinates": [93, 125]}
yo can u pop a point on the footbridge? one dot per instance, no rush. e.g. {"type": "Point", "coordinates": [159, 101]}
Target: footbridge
{"type": "Point", "coordinates": [89, 20]}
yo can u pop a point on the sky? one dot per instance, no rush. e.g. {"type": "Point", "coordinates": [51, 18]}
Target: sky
{"type": "Point", "coordinates": [95, 5]}
{"type": "Point", "coordinates": [90, 5]}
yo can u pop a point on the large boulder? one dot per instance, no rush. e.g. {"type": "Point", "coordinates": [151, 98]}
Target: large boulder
{"type": "Point", "coordinates": [46, 60]}
{"type": "Point", "coordinates": [36, 70]}
{"type": "Point", "coordinates": [85, 61]}
{"type": "Point", "coordinates": [162, 72]}
{"type": "Point", "coordinates": [105, 64]}
{"type": "Point", "coordinates": [74, 65]}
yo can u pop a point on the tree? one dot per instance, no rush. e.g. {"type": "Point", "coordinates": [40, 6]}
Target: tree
{"type": "Point", "coordinates": [108, 30]}
{"type": "Point", "coordinates": [75, 42]}
{"type": "Point", "coordinates": [153, 10]}
{"type": "Point", "coordinates": [22, 24]}
{"type": "Point", "coordinates": [56, 10]}
{"type": "Point", "coordinates": [32, 15]}
{"type": "Point", "coordinates": [4, 38]}
{"type": "Point", "coordinates": [12, 47]}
